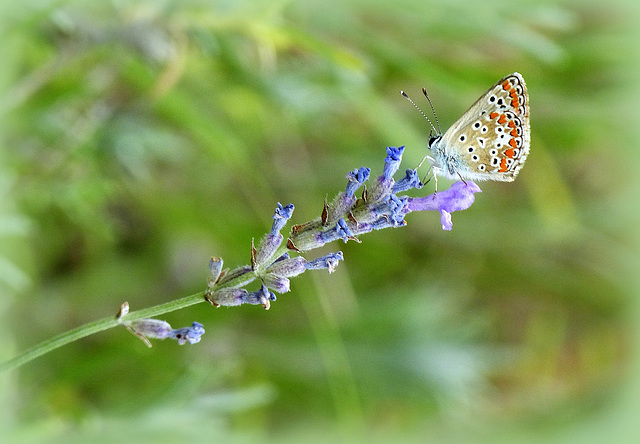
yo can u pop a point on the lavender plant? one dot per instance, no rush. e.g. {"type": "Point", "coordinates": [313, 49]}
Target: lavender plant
{"type": "Point", "coordinates": [381, 205]}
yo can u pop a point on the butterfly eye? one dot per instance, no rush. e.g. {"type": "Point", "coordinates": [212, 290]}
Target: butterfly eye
{"type": "Point", "coordinates": [433, 139]}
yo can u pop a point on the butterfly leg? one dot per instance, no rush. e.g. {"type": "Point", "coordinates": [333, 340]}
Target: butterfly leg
{"type": "Point", "coordinates": [426, 178]}
{"type": "Point", "coordinates": [422, 161]}
{"type": "Point", "coordinates": [435, 182]}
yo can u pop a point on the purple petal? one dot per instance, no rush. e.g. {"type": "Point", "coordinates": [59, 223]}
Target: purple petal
{"type": "Point", "coordinates": [458, 197]}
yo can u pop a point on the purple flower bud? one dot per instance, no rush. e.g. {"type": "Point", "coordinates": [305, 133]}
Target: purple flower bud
{"type": "Point", "coordinates": [271, 241]}
{"type": "Point", "coordinates": [280, 217]}
{"type": "Point", "coordinates": [150, 328]}
{"type": "Point", "coordinates": [227, 297]}
{"type": "Point", "coordinates": [329, 261]}
{"type": "Point", "coordinates": [188, 334]}
{"type": "Point", "coordinates": [267, 247]}
{"type": "Point", "coordinates": [356, 178]}
{"type": "Point", "coordinates": [289, 267]}
{"type": "Point", "coordinates": [276, 283]}
{"type": "Point", "coordinates": [410, 180]}
{"type": "Point", "coordinates": [458, 197]}
{"type": "Point", "coordinates": [385, 183]}
{"type": "Point", "coordinates": [392, 161]}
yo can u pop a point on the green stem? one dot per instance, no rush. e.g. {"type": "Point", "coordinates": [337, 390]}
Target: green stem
{"type": "Point", "coordinates": [95, 327]}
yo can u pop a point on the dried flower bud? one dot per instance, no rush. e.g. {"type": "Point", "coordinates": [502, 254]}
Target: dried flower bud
{"type": "Point", "coordinates": [215, 268]}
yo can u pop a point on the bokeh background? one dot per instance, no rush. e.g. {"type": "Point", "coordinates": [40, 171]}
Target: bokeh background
{"type": "Point", "coordinates": [139, 138]}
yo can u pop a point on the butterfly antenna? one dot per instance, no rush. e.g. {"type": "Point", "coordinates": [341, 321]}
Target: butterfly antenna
{"type": "Point", "coordinates": [433, 110]}
{"type": "Point", "coordinates": [423, 114]}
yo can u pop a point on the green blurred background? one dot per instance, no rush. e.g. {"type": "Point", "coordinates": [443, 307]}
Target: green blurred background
{"type": "Point", "coordinates": [140, 138]}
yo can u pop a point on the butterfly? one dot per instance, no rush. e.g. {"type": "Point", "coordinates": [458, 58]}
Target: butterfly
{"type": "Point", "coordinates": [490, 141]}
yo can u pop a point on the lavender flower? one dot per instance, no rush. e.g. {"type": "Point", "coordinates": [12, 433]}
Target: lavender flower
{"type": "Point", "coordinates": [344, 202]}
{"type": "Point", "coordinates": [329, 261]}
{"type": "Point", "coordinates": [458, 197]}
{"type": "Point", "coordinates": [410, 180]}
{"type": "Point", "coordinates": [261, 297]}
{"type": "Point", "coordinates": [392, 161]}
{"type": "Point", "coordinates": [157, 329]}
{"type": "Point", "coordinates": [277, 283]}
{"type": "Point", "coordinates": [288, 267]}
{"type": "Point", "coordinates": [230, 297]}
{"type": "Point", "coordinates": [188, 334]}
{"type": "Point", "coordinates": [226, 296]}
{"type": "Point", "coordinates": [272, 240]}
{"type": "Point", "coordinates": [280, 217]}
{"type": "Point", "coordinates": [385, 183]}
{"type": "Point", "coordinates": [344, 218]}
{"type": "Point", "coordinates": [356, 178]}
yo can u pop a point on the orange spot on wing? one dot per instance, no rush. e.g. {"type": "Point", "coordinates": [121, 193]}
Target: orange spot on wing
{"type": "Point", "coordinates": [506, 85]}
{"type": "Point", "coordinates": [515, 103]}
{"type": "Point", "coordinates": [503, 166]}
{"type": "Point", "coordinates": [493, 115]}
{"type": "Point", "coordinates": [514, 132]}
{"type": "Point", "coordinates": [502, 119]}
{"type": "Point", "coordinates": [510, 153]}
{"type": "Point", "coordinates": [512, 124]}
{"type": "Point", "coordinates": [512, 142]}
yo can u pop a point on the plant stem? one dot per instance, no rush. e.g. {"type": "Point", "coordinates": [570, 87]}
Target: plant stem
{"type": "Point", "coordinates": [95, 327]}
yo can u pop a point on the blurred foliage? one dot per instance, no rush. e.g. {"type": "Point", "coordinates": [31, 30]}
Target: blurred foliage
{"type": "Point", "coordinates": [139, 138]}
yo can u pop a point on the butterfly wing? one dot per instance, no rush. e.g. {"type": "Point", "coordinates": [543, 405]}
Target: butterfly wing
{"type": "Point", "coordinates": [491, 140]}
